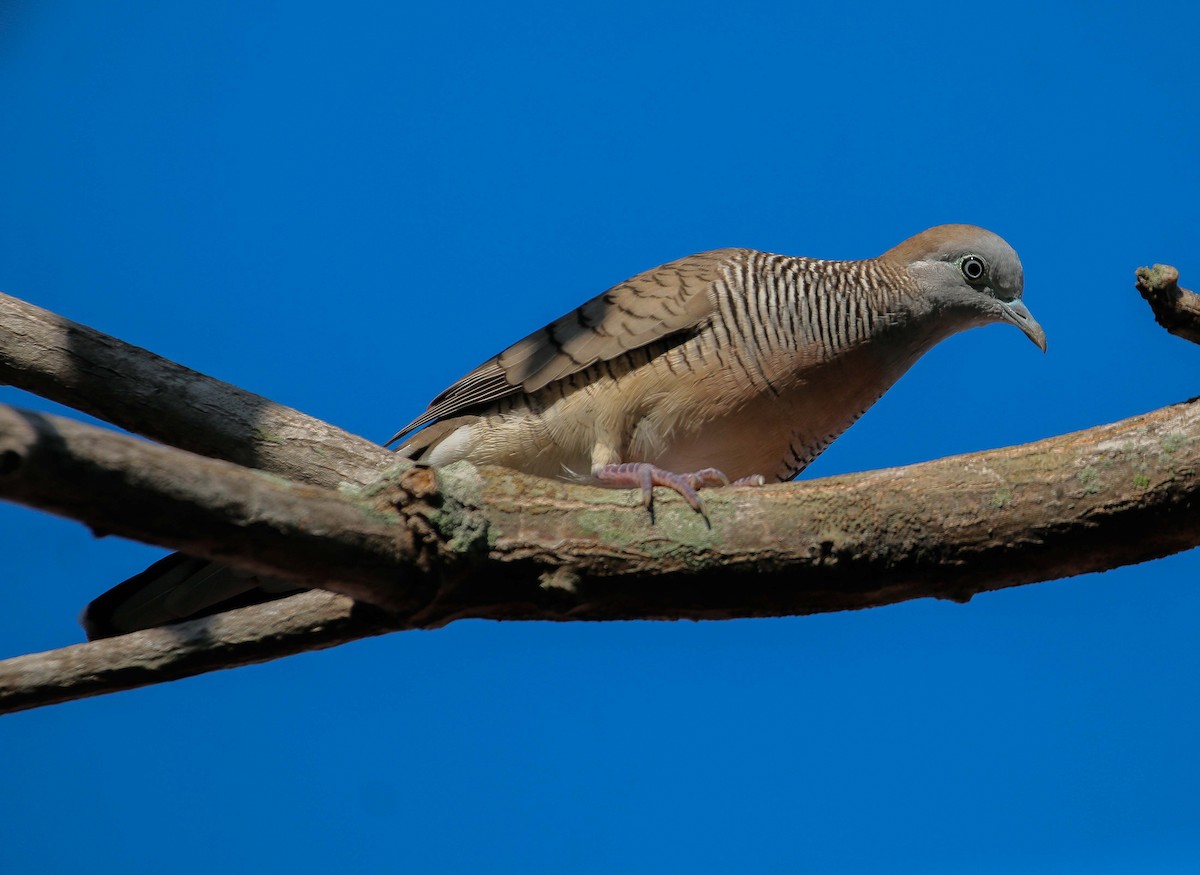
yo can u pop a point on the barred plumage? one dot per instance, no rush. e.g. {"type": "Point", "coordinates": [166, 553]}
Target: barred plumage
{"type": "Point", "coordinates": [747, 361]}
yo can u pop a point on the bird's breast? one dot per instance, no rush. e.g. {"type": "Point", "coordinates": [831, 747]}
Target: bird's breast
{"type": "Point", "coordinates": [774, 430]}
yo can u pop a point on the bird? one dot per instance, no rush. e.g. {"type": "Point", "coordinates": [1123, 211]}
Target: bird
{"type": "Point", "coordinates": [733, 367]}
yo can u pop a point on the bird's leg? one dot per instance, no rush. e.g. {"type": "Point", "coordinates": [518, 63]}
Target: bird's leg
{"type": "Point", "coordinates": [648, 476]}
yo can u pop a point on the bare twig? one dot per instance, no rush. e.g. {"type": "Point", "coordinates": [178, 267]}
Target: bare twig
{"type": "Point", "coordinates": [1175, 309]}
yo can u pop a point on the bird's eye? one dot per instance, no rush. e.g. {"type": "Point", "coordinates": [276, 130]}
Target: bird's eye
{"type": "Point", "coordinates": [973, 268]}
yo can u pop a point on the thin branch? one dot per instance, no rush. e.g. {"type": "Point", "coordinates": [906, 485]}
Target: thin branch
{"type": "Point", "coordinates": [304, 622]}
{"type": "Point", "coordinates": [149, 395]}
{"type": "Point", "coordinates": [1175, 309]}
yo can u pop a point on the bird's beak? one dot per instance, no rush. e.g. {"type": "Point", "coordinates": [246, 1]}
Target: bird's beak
{"type": "Point", "coordinates": [1018, 314]}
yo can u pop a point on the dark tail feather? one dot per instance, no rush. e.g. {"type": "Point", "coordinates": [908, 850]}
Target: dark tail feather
{"type": "Point", "coordinates": [172, 590]}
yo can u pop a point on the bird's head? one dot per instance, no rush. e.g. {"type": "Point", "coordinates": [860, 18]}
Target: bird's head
{"type": "Point", "coordinates": [965, 269]}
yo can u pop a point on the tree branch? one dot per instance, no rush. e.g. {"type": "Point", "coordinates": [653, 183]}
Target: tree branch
{"type": "Point", "coordinates": [460, 542]}
{"type": "Point", "coordinates": [205, 507]}
{"type": "Point", "coordinates": [304, 622]}
{"type": "Point", "coordinates": [950, 528]}
{"type": "Point", "coordinates": [1175, 309]}
{"type": "Point", "coordinates": [152, 396]}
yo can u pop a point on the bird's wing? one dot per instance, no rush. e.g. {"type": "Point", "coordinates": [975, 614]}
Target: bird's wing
{"type": "Point", "coordinates": [651, 306]}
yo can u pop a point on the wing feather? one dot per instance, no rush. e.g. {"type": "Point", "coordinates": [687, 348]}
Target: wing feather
{"type": "Point", "coordinates": [651, 306]}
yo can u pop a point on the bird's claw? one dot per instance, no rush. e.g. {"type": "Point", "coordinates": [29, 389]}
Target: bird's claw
{"type": "Point", "coordinates": [647, 476]}
{"type": "Point", "coordinates": [706, 477]}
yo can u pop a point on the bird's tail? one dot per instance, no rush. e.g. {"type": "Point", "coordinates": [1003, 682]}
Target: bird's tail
{"type": "Point", "coordinates": [172, 590]}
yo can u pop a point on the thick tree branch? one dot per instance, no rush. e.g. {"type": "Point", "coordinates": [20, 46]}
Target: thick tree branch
{"type": "Point", "coordinates": [152, 396]}
{"type": "Point", "coordinates": [950, 528]}
{"type": "Point", "coordinates": [461, 542]}
{"type": "Point", "coordinates": [217, 510]}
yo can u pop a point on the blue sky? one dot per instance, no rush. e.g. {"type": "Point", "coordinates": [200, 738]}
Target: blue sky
{"type": "Point", "coordinates": [346, 209]}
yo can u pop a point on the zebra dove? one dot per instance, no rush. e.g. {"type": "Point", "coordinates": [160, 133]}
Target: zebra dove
{"type": "Point", "coordinates": [732, 365]}
{"type": "Point", "coordinates": [728, 365]}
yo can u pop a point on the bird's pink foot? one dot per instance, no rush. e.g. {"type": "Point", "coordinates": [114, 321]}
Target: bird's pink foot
{"type": "Point", "coordinates": [647, 476]}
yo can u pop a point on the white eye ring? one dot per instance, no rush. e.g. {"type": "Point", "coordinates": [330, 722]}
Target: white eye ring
{"type": "Point", "coordinates": [973, 268]}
